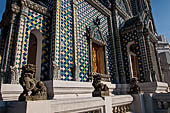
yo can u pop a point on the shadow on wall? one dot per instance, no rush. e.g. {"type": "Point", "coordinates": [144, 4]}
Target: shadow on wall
{"type": "Point", "coordinates": [0, 90]}
{"type": "Point", "coordinates": [49, 86]}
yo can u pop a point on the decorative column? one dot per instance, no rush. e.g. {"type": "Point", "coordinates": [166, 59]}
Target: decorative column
{"type": "Point", "coordinates": [76, 75]}
{"type": "Point", "coordinates": [115, 77]}
{"type": "Point", "coordinates": [55, 42]}
{"type": "Point", "coordinates": [6, 60]}
{"type": "Point", "coordinates": [120, 65]}
{"type": "Point", "coordinates": [151, 63]}
{"type": "Point", "coordinates": [143, 56]}
{"type": "Point", "coordinates": [148, 77]}
{"type": "Point", "coordinates": [158, 63]}
{"type": "Point", "coordinates": [20, 38]}
{"type": "Point", "coordinates": [7, 44]}
{"type": "Point", "coordinates": [12, 44]}
{"type": "Point", "coordinates": [18, 58]}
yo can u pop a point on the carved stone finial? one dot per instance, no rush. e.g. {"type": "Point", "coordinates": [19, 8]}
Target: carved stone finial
{"type": "Point", "coordinates": [134, 88]}
{"type": "Point", "coordinates": [100, 89]}
{"type": "Point", "coordinates": [55, 71]}
{"type": "Point", "coordinates": [33, 89]}
{"type": "Point", "coordinates": [14, 74]}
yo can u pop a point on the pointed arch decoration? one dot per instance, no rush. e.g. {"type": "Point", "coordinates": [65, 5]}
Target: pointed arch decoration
{"type": "Point", "coordinates": [131, 48]}
{"type": "Point", "coordinates": [34, 56]}
{"type": "Point", "coordinates": [97, 52]}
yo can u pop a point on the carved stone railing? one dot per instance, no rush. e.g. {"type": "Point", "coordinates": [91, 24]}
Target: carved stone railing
{"type": "Point", "coordinates": [121, 104]}
{"type": "Point", "coordinates": [69, 96]}
{"type": "Point", "coordinates": [121, 109]}
{"type": "Point", "coordinates": [161, 102]}
{"type": "Point", "coordinates": [111, 104]}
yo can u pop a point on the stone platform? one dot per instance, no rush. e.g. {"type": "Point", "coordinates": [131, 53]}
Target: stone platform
{"type": "Point", "coordinates": [71, 105]}
{"type": "Point", "coordinates": [24, 107]}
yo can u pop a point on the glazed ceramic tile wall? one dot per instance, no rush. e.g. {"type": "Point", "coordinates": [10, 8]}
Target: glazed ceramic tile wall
{"type": "Point", "coordinates": [129, 37]}
{"type": "Point", "coordinates": [41, 23]}
{"type": "Point", "coordinates": [85, 16]}
{"type": "Point", "coordinates": [66, 42]}
{"type": "Point", "coordinates": [64, 38]}
{"type": "Point", "coordinates": [57, 39]}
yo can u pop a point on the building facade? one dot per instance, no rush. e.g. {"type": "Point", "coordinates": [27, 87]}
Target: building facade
{"type": "Point", "coordinates": [73, 40]}
{"type": "Point", "coordinates": [163, 45]}
{"type": "Point", "coordinates": [163, 49]}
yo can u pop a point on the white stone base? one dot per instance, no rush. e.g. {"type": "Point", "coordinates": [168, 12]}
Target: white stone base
{"type": "Point", "coordinates": [72, 89]}
{"type": "Point", "coordinates": [25, 107]}
{"type": "Point", "coordinates": [153, 87]}
{"type": "Point", "coordinates": [56, 89]}
{"type": "Point", "coordinates": [11, 92]}
{"type": "Point", "coordinates": [68, 105]}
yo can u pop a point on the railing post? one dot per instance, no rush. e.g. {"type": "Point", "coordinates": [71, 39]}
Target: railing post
{"type": "Point", "coordinates": [108, 104]}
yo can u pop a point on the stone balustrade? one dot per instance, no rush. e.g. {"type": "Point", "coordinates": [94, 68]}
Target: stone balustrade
{"type": "Point", "coordinates": [66, 97]}
{"type": "Point", "coordinates": [71, 105]}
{"type": "Point", "coordinates": [162, 102]}
{"type": "Point", "coordinates": [121, 103]}
{"type": "Point", "coordinates": [121, 109]}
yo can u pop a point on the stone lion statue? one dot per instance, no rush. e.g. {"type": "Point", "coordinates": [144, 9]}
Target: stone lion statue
{"type": "Point", "coordinates": [33, 89]}
{"type": "Point", "coordinates": [100, 89]}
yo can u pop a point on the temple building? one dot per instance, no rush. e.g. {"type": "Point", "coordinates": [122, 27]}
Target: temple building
{"type": "Point", "coordinates": [71, 41]}
{"type": "Point", "coordinates": [163, 49]}
{"type": "Point", "coordinates": [80, 38]}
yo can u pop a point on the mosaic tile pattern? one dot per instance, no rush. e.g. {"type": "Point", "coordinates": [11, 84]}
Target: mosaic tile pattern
{"type": "Point", "coordinates": [66, 64]}
{"type": "Point", "coordinates": [129, 37]}
{"type": "Point", "coordinates": [85, 16]}
{"type": "Point", "coordinates": [111, 59]}
{"type": "Point", "coordinates": [57, 39]}
{"type": "Point", "coordinates": [19, 43]}
{"type": "Point", "coordinates": [41, 23]}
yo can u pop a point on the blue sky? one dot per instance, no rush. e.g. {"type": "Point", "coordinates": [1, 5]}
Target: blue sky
{"type": "Point", "coordinates": [2, 7]}
{"type": "Point", "coordinates": [160, 10]}
{"type": "Point", "coordinates": [161, 13]}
